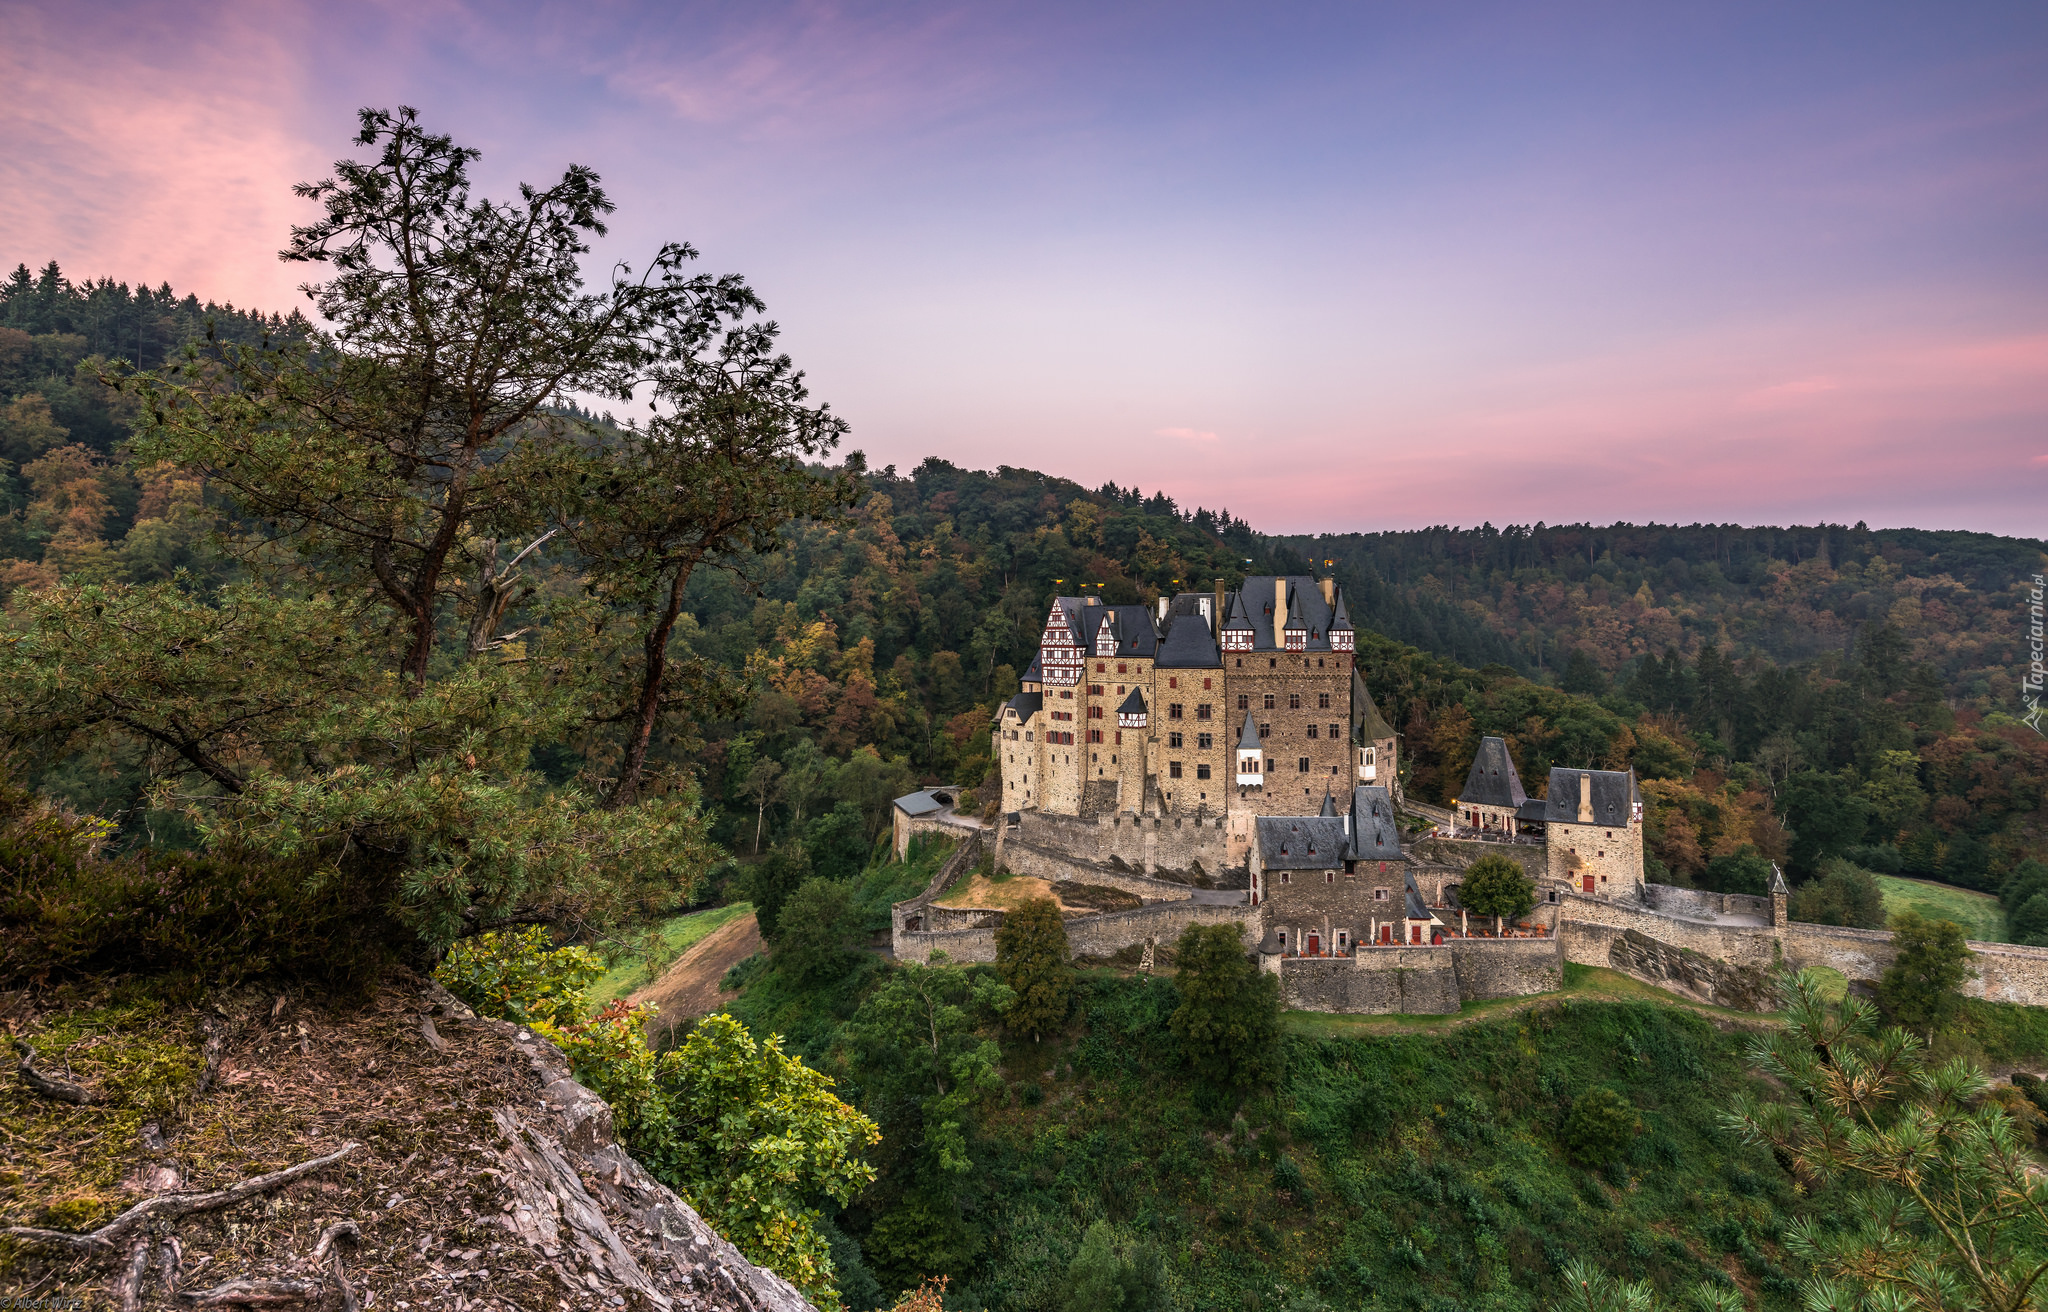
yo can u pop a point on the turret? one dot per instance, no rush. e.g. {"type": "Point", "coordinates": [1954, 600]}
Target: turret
{"type": "Point", "coordinates": [1251, 755]}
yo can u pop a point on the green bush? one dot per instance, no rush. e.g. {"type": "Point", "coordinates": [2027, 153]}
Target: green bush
{"type": "Point", "coordinates": [1842, 895]}
{"type": "Point", "coordinates": [748, 1134]}
{"type": "Point", "coordinates": [1494, 885]}
{"type": "Point", "coordinates": [521, 977]}
{"type": "Point", "coordinates": [1601, 1128]}
{"type": "Point", "coordinates": [816, 930]}
{"type": "Point", "coordinates": [67, 908]}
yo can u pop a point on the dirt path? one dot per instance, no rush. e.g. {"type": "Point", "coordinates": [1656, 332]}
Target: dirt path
{"type": "Point", "coordinates": [689, 988]}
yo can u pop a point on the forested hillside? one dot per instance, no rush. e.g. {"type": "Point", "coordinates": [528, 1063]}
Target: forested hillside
{"type": "Point", "coordinates": [1622, 592]}
{"type": "Point", "coordinates": [1788, 695]}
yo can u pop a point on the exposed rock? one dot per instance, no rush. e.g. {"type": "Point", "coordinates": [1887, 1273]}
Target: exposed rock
{"type": "Point", "coordinates": [1693, 974]}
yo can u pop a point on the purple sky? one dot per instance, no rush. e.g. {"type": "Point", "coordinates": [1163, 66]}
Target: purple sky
{"type": "Point", "coordinates": [1343, 267]}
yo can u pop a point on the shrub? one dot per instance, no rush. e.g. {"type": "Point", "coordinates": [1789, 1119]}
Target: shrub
{"type": "Point", "coordinates": [1843, 895]}
{"type": "Point", "coordinates": [68, 908]}
{"type": "Point", "coordinates": [521, 977]}
{"type": "Point", "coordinates": [1602, 1126]}
{"type": "Point", "coordinates": [771, 881]}
{"type": "Point", "coordinates": [1744, 870]}
{"type": "Point", "coordinates": [748, 1134]}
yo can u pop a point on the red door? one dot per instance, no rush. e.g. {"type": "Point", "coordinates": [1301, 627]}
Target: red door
{"type": "Point", "coordinates": [1415, 933]}
{"type": "Point", "coordinates": [1386, 933]}
{"type": "Point", "coordinates": [1315, 945]}
{"type": "Point", "coordinates": [1588, 882]}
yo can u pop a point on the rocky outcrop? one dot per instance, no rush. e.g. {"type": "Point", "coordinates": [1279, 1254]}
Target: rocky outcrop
{"type": "Point", "coordinates": [1693, 974]}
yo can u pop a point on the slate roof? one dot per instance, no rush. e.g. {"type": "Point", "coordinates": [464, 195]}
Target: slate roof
{"type": "Point", "coordinates": [1368, 726]}
{"type": "Point", "coordinates": [1026, 704]}
{"type": "Point", "coordinates": [1493, 781]}
{"type": "Point", "coordinates": [1374, 835]}
{"type": "Point", "coordinates": [1248, 737]}
{"type": "Point", "coordinates": [1417, 908]}
{"type": "Point", "coordinates": [1301, 842]}
{"type": "Point", "coordinates": [1535, 810]}
{"type": "Point", "coordinates": [1304, 601]}
{"type": "Point", "coordinates": [1188, 643]}
{"type": "Point", "coordinates": [1131, 626]}
{"type": "Point", "coordinates": [1032, 672]}
{"type": "Point", "coordinates": [1133, 704]}
{"type": "Point", "coordinates": [1329, 803]}
{"type": "Point", "coordinates": [1614, 796]}
{"type": "Point", "coordinates": [1342, 619]}
{"type": "Point", "coordinates": [1234, 613]}
{"type": "Point", "coordinates": [919, 803]}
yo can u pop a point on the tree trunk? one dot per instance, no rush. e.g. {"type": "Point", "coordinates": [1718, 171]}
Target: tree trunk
{"type": "Point", "coordinates": [648, 708]}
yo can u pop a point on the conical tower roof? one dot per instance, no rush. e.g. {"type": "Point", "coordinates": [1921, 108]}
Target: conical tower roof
{"type": "Point", "coordinates": [1329, 803]}
{"type": "Point", "coordinates": [1248, 737]}
{"type": "Point", "coordinates": [1367, 724]}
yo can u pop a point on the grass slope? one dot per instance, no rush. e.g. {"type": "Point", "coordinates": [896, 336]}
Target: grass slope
{"type": "Point", "coordinates": [1978, 913]}
{"type": "Point", "coordinates": [1389, 1170]}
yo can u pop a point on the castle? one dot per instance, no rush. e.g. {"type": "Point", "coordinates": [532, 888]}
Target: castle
{"type": "Point", "coordinates": [1219, 757]}
{"type": "Point", "coordinates": [1218, 705]}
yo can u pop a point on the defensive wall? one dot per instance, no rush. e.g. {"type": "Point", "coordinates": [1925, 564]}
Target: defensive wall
{"type": "Point", "coordinates": [1022, 857]}
{"type": "Point", "coordinates": [1623, 935]}
{"type": "Point", "coordinates": [1424, 981]}
{"type": "Point", "coordinates": [968, 935]}
{"type": "Point", "coordinates": [1191, 845]}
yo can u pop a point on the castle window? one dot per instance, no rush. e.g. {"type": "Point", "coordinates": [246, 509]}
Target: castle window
{"type": "Point", "coordinates": [1333, 731]}
{"type": "Point", "coordinates": [1173, 683]}
{"type": "Point", "coordinates": [1202, 711]}
{"type": "Point", "coordinates": [1202, 772]}
{"type": "Point", "coordinates": [1119, 737]}
{"type": "Point", "coordinates": [1205, 741]}
{"type": "Point", "coordinates": [1240, 662]}
{"type": "Point", "coordinates": [1173, 711]}
{"type": "Point", "coordinates": [1323, 701]}
{"type": "Point", "coordinates": [1244, 703]}
{"type": "Point", "coordinates": [1269, 701]}
{"type": "Point", "coordinates": [1095, 712]}
{"type": "Point", "coordinates": [1319, 662]}
{"type": "Point", "coordinates": [1173, 769]}
{"type": "Point", "coordinates": [1265, 731]}
{"type": "Point", "coordinates": [1066, 694]}
{"type": "Point", "coordinates": [1329, 876]}
{"type": "Point", "coordinates": [1311, 731]}
{"type": "Point", "coordinates": [1095, 735]}
{"type": "Point", "coordinates": [1272, 662]}
{"type": "Point", "coordinates": [1205, 685]}
{"type": "Point", "coordinates": [1283, 933]}
{"type": "Point", "coordinates": [1173, 740]}
{"type": "Point", "coordinates": [1094, 690]}
{"type": "Point", "coordinates": [1121, 668]}
{"type": "Point", "coordinates": [1100, 667]}
{"type": "Point", "coordinates": [1293, 701]}
{"type": "Point", "coordinates": [1379, 895]}
{"type": "Point", "coordinates": [1303, 767]}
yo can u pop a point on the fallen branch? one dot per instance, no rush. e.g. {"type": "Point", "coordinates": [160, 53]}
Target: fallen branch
{"type": "Point", "coordinates": [216, 1046]}
{"type": "Point", "coordinates": [128, 1285]}
{"type": "Point", "coordinates": [432, 1035]}
{"type": "Point", "coordinates": [48, 1086]}
{"type": "Point", "coordinates": [107, 1236]}
{"type": "Point", "coordinates": [256, 1293]}
{"type": "Point", "coordinates": [348, 1230]}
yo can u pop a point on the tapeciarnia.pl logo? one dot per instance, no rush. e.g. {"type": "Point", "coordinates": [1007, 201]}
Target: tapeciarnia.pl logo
{"type": "Point", "coordinates": [2037, 671]}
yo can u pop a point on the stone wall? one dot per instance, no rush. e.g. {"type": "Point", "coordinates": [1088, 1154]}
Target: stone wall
{"type": "Point", "coordinates": [1506, 967]}
{"type": "Point", "coordinates": [1109, 933]}
{"type": "Point", "coordinates": [1588, 927]}
{"type": "Point", "coordinates": [1022, 858]}
{"type": "Point", "coordinates": [1314, 678]}
{"type": "Point", "coordinates": [1462, 852]}
{"type": "Point", "coordinates": [943, 822]}
{"type": "Point", "coordinates": [1178, 843]}
{"type": "Point", "coordinates": [1692, 974]}
{"type": "Point", "coordinates": [1381, 981]}
{"type": "Point", "coordinates": [1700, 902]}
{"type": "Point", "coordinates": [913, 915]}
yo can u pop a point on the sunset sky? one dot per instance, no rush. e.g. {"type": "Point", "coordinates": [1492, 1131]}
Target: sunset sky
{"type": "Point", "coordinates": [1331, 266]}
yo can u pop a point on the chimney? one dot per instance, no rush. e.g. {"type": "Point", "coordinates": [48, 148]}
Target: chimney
{"type": "Point", "coordinates": [1330, 591]}
{"type": "Point", "coordinates": [1279, 607]}
{"type": "Point", "coordinates": [1585, 797]}
{"type": "Point", "coordinates": [1216, 616]}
